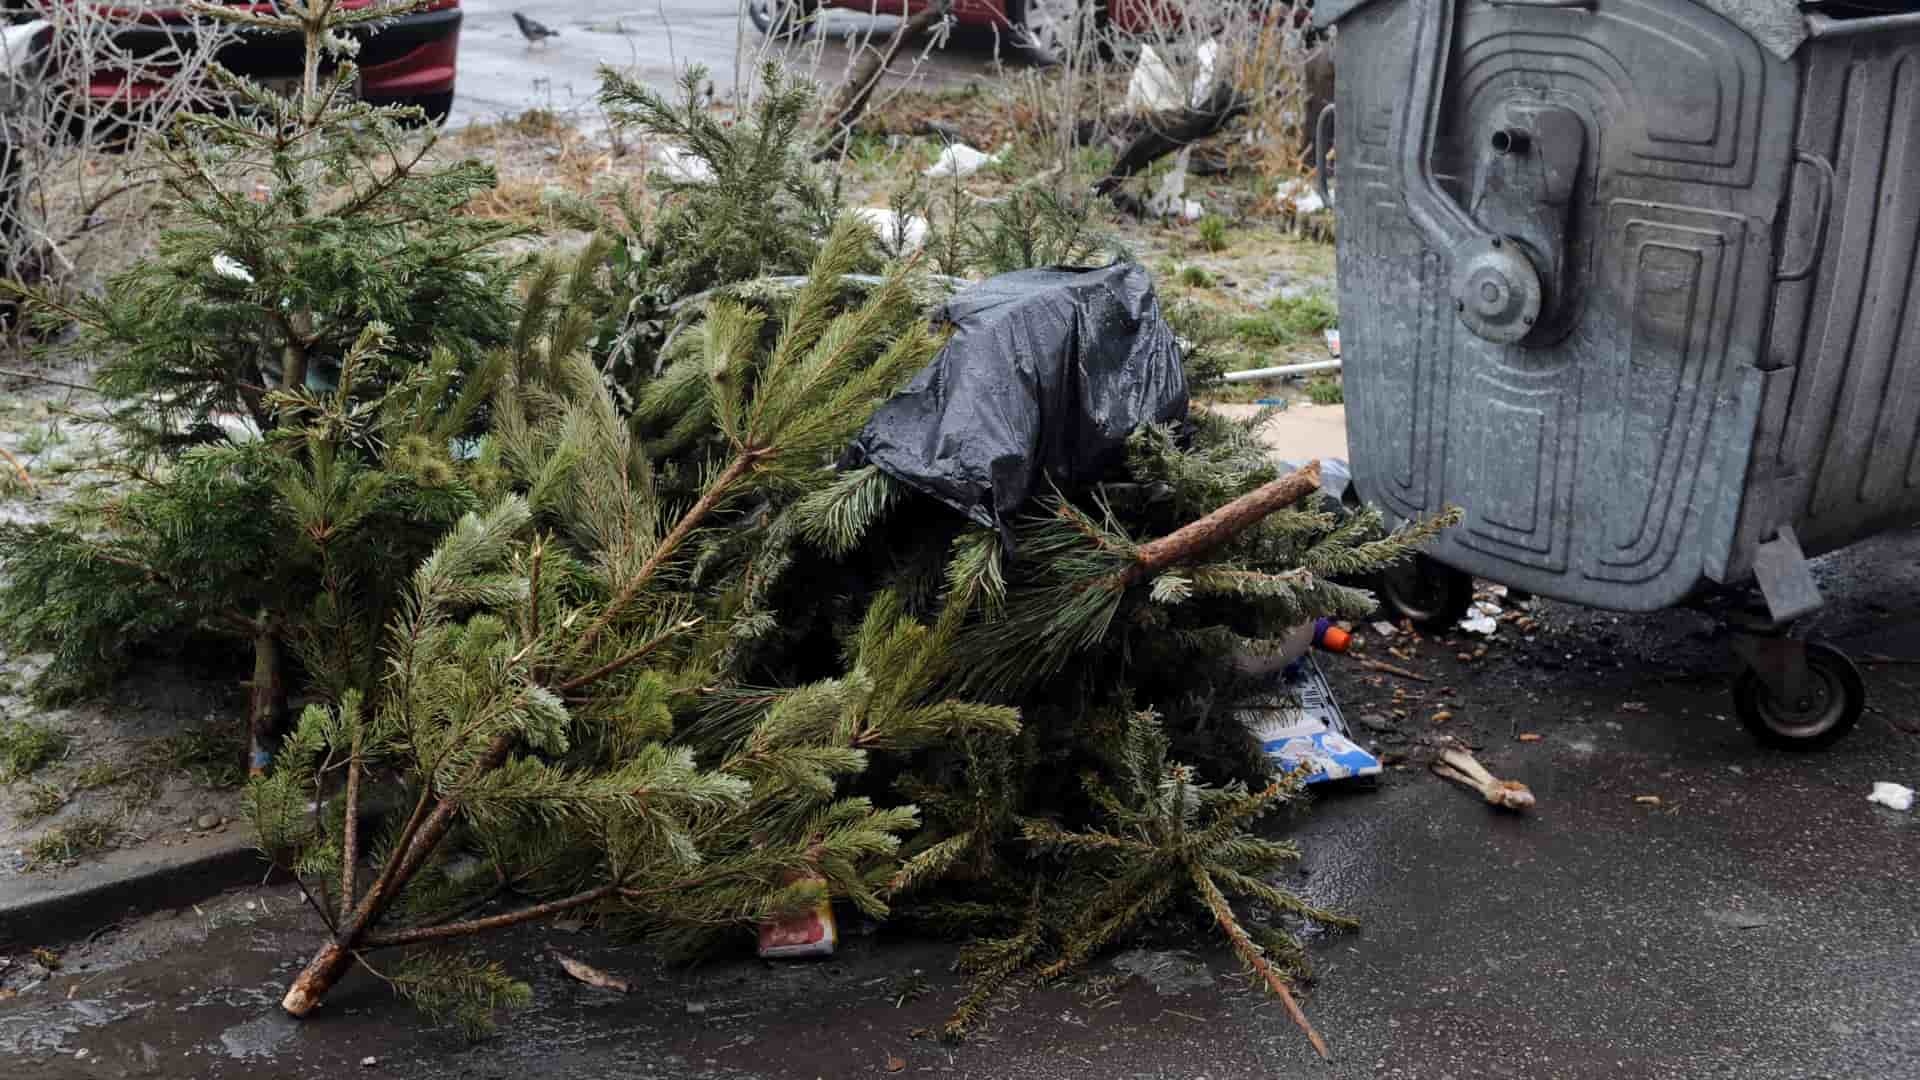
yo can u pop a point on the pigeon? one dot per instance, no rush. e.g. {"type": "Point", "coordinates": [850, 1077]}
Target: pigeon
{"type": "Point", "coordinates": [532, 30]}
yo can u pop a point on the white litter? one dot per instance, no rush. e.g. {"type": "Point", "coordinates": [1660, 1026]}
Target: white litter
{"type": "Point", "coordinates": [1479, 622]}
{"type": "Point", "coordinates": [1152, 87]}
{"type": "Point", "coordinates": [1892, 796]}
{"type": "Point", "coordinates": [682, 165]}
{"type": "Point", "coordinates": [1300, 195]}
{"type": "Point", "coordinates": [1170, 200]}
{"type": "Point", "coordinates": [899, 236]}
{"type": "Point", "coordinates": [1333, 342]}
{"type": "Point", "coordinates": [961, 160]}
{"type": "Point", "coordinates": [231, 268]}
{"type": "Point", "coordinates": [16, 47]}
{"type": "Point", "coordinates": [1385, 629]}
{"type": "Point", "coordinates": [1204, 59]}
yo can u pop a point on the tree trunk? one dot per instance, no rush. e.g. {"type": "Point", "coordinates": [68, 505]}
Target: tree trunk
{"type": "Point", "coordinates": [266, 700]}
{"type": "Point", "coordinates": [331, 961]}
{"type": "Point", "coordinates": [320, 974]}
{"type": "Point", "coordinates": [1199, 537]}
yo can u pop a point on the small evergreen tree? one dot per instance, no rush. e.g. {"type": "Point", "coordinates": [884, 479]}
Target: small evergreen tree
{"type": "Point", "coordinates": [743, 201]}
{"type": "Point", "coordinates": [288, 375]}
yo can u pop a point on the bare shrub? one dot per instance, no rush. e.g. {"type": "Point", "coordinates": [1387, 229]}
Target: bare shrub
{"type": "Point", "coordinates": [86, 192]}
{"type": "Point", "coordinates": [1257, 60]}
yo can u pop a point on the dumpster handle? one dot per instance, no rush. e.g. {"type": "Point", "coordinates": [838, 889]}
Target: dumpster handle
{"type": "Point", "coordinates": [1822, 198]}
{"type": "Point", "coordinates": [1496, 289]}
{"type": "Point", "coordinates": [1322, 141]}
{"type": "Point", "coordinates": [1823, 26]}
{"type": "Point", "coordinates": [1446, 225]}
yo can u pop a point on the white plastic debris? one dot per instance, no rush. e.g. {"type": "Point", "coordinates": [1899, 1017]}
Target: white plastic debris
{"type": "Point", "coordinates": [1152, 87]}
{"type": "Point", "coordinates": [1385, 629]}
{"type": "Point", "coordinates": [1300, 195]}
{"type": "Point", "coordinates": [961, 160]}
{"type": "Point", "coordinates": [1892, 796]}
{"type": "Point", "coordinates": [1204, 60]}
{"type": "Point", "coordinates": [16, 47]}
{"type": "Point", "coordinates": [231, 268]}
{"type": "Point", "coordinates": [1333, 342]}
{"type": "Point", "coordinates": [1170, 199]}
{"type": "Point", "coordinates": [1479, 622]}
{"type": "Point", "coordinates": [683, 165]}
{"type": "Point", "coordinates": [900, 236]}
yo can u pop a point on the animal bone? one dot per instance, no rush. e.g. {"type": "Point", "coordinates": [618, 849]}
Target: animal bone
{"type": "Point", "coordinates": [1460, 767]}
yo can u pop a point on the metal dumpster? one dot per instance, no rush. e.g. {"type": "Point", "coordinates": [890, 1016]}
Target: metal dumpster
{"type": "Point", "coordinates": [1633, 283]}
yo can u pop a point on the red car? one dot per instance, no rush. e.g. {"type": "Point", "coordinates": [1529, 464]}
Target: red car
{"type": "Point", "coordinates": [409, 61]}
{"type": "Point", "coordinates": [1041, 27]}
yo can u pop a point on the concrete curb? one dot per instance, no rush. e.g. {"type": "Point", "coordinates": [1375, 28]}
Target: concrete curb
{"type": "Point", "coordinates": [38, 909]}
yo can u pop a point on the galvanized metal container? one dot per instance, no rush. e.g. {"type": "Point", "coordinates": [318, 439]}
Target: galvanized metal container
{"type": "Point", "coordinates": [1633, 283]}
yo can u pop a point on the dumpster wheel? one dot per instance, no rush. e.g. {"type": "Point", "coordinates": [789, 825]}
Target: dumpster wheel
{"type": "Point", "coordinates": [1835, 697]}
{"type": "Point", "coordinates": [1431, 594]}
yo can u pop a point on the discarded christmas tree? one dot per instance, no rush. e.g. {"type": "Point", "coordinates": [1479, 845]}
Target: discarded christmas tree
{"type": "Point", "coordinates": [534, 674]}
{"type": "Point", "coordinates": [309, 246]}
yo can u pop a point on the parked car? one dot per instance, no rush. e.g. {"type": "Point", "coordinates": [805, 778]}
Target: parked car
{"type": "Point", "coordinates": [409, 61]}
{"type": "Point", "coordinates": [1040, 27]}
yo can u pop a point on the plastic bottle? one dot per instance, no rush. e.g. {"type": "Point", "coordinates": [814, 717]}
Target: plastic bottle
{"type": "Point", "coordinates": [1321, 633]}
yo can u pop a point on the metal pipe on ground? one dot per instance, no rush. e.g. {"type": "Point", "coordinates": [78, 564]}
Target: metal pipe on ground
{"type": "Point", "coordinates": [1255, 374]}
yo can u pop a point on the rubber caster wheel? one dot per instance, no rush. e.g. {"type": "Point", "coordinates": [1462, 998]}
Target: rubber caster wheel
{"type": "Point", "coordinates": [1432, 595]}
{"type": "Point", "coordinates": [1835, 698]}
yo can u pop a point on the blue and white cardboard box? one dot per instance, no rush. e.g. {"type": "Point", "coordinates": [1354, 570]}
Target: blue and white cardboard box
{"type": "Point", "coordinates": [1300, 723]}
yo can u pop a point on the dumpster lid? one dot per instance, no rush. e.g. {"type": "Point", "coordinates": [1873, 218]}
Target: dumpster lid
{"type": "Point", "coordinates": [1776, 24]}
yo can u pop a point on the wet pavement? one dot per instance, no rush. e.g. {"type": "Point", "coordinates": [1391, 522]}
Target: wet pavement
{"type": "Point", "coordinates": [501, 75]}
{"type": "Point", "coordinates": [1758, 923]}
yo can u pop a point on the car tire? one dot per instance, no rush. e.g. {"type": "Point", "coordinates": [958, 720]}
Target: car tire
{"type": "Point", "coordinates": [782, 19]}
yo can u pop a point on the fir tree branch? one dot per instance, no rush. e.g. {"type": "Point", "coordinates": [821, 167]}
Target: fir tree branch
{"type": "Point", "coordinates": [1244, 946]}
{"type": "Point", "coordinates": [320, 909]}
{"type": "Point", "coordinates": [742, 464]}
{"type": "Point", "coordinates": [20, 470]}
{"type": "Point", "coordinates": [350, 828]}
{"type": "Point", "coordinates": [534, 559]}
{"type": "Point", "coordinates": [36, 377]}
{"type": "Point", "coordinates": [421, 934]}
{"type": "Point", "coordinates": [629, 658]}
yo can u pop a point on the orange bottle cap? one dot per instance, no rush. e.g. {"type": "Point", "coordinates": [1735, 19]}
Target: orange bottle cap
{"type": "Point", "coordinates": [1335, 639]}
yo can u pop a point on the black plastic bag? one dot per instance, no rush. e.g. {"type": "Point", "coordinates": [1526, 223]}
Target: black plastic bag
{"type": "Point", "coordinates": [1047, 373]}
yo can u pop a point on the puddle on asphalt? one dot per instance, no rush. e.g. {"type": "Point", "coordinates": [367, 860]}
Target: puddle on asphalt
{"type": "Point", "coordinates": [46, 1029]}
{"type": "Point", "coordinates": [260, 1037]}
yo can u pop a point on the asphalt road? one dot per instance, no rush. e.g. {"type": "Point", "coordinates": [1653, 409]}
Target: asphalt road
{"type": "Point", "coordinates": [1758, 923]}
{"type": "Point", "coordinates": [502, 75]}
